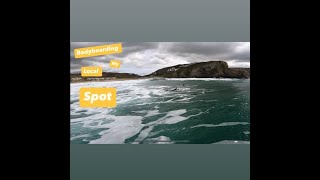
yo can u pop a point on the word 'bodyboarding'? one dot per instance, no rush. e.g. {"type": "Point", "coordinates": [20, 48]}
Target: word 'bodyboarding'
{"type": "Point", "coordinates": [98, 50]}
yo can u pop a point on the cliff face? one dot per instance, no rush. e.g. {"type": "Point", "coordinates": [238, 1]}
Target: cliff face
{"type": "Point", "coordinates": [239, 72]}
{"type": "Point", "coordinates": [211, 69]}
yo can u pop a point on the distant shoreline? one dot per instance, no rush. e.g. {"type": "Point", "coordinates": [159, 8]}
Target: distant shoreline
{"type": "Point", "coordinates": [127, 79]}
{"type": "Point", "coordinates": [104, 80]}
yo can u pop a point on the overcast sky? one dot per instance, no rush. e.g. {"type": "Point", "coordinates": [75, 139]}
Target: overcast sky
{"type": "Point", "coordinates": [146, 57]}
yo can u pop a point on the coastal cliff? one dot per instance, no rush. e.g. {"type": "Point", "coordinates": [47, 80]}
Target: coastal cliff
{"type": "Point", "coordinates": [211, 69]}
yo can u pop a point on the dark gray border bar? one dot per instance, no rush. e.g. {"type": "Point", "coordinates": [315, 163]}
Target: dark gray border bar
{"type": "Point", "coordinates": [159, 162]}
{"type": "Point", "coordinates": [164, 20]}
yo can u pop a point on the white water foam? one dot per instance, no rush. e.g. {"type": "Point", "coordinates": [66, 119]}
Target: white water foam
{"type": "Point", "coordinates": [120, 128]}
{"type": "Point", "coordinates": [232, 142]}
{"type": "Point", "coordinates": [80, 136]}
{"type": "Point", "coordinates": [148, 113]}
{"type": "Point", "coordinates": [222, 124]}
{"type": "Point", "coordinates": [159, 140]}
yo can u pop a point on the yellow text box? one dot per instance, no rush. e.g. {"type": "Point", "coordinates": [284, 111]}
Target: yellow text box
{"type": "Point", "coordinates": [98, 97]}
{"type": "Point", "coordinates": [92, 71]}
{"type": "Point", "coordinates": [98, 50]}
{"type": "Point", "coordinates": [115, 63]}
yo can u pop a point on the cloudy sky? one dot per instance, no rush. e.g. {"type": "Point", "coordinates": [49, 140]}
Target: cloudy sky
{"type": "Point", "coordinates": [146, 57]}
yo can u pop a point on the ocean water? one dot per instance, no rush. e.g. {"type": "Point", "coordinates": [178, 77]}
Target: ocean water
{"type": "Point", "coordinates": [200, 111]}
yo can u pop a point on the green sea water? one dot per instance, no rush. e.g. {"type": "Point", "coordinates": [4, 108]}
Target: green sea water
{"type": "Point", "coordinates": [171, 111]}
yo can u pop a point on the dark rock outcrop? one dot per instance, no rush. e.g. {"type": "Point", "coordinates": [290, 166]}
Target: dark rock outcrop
{"type": "Point", "coordinates": [211, 69]}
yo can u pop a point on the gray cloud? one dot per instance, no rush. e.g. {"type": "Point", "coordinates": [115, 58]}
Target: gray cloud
{"type": "Point", "coordinates": [145, 57]}
{"type": "Point", "coordinates": [201, 48]}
